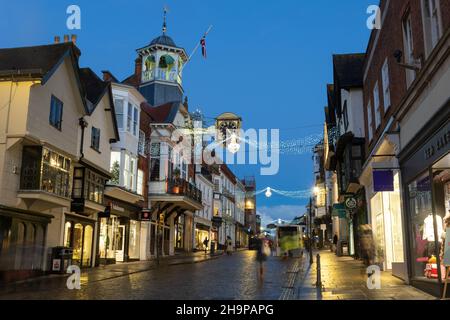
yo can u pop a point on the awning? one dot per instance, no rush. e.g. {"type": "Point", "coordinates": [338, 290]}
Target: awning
{"type": "Point", "coordinates": [339, 211]}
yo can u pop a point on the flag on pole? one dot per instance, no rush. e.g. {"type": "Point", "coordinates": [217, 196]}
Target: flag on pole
{"type": "Point", "coordinates": [203, 44]}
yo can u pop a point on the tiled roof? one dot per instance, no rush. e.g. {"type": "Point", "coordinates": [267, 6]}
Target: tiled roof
{"type": "Point", "coordinates": [95, 88]}
{"type": "Point", "coordinates": [164, 113]}
{"type": "Point", "coordinates": [41, 59]}
{"type": "Point", "coordinates": [349, 69]}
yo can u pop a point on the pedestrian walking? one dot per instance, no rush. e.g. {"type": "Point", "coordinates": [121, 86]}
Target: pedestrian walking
{"type": "Point", "coordinates": [367, 244]}
{"type": "Point", "coordinates": [229, 248]}
{"type": "Point", "coordinates": [335, 242]}
{"type": "Point", "coordinates": [205, 244]}
{"type": "Point", "coordinates": [263, 251]}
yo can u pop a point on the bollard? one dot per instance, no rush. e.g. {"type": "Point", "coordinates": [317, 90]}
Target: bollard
{"type": "Point", "coordinates": [319, 276]}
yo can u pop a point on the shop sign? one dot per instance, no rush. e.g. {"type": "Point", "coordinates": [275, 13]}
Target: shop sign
{"type": "Point", "coordinates": [440, 142]}
{"type": "Point", "coordinates": [116, 207]}
{"type": "Point", "coordinates": [323, 227]}
{"type": "Point", "coordinates": [145, 215]}
{"type": "Point", "coordinates": [383, 181]}
{"type": "Point", "coordinates": [351, 203]}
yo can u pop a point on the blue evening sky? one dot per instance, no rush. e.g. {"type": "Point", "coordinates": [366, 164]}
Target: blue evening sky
{"type": "Point", "coordinates": [268, 61]}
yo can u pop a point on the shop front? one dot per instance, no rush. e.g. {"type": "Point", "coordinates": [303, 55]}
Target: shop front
{"type": "Point", "coordinates": [79, 235]}
{"type": "Point", "coordinates": [119, 233]}
{"type": "Point", "coordinates": [202, 232]}
{"type": "Point", "coordinates": [22, 243]}
{"type": "Point", "coordinates": [426, 181]}
{"type": "Point", "coordinates": [381, 177]}
{"type": "Point", "coordinates": [385, 206]}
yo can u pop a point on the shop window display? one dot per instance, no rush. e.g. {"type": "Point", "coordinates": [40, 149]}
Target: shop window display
{"type": "Point", "coordinates": [427, 219]}
{"type": "Point", "coordinates": [87, 250]}
{"type": "Point", "coordinates": [134, 245]}
{"type": "Point", "coordinates": [77, 243]}
{"type": "Point", "coordinates": [108, 228]}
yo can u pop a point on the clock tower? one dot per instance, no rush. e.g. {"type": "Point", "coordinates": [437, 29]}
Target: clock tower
{"type": "Point", "coordinates": [162, 68]}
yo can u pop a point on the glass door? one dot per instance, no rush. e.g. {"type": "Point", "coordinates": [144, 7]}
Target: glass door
{"type": "Point", "coordinates": [120, 243]}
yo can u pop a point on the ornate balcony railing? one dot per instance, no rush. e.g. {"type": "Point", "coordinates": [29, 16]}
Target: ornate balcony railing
{"type": "Point", "coordinates": [178, 186]}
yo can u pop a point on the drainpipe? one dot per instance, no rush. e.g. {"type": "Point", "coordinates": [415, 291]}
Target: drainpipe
{"type": "Point", "coordinates": [83, 124]}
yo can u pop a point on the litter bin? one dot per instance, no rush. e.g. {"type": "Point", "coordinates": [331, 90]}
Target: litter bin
{"type": "Point", "coordinates": [213, 247]}
{"type": "Point", "coordinates": [61, 259]}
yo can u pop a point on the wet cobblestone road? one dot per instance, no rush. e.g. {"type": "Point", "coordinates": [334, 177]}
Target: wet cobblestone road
{"type": "Point", "coordinates": [226, 278]}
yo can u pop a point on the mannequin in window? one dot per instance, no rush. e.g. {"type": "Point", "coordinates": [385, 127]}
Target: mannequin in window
{"type": "Point", "coordinates": [428, 231]}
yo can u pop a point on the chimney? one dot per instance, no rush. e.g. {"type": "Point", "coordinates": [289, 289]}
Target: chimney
{"type": "Point", "coordinates": [66, 38]}
{"type": "Point", "coordinates": [57, 39]}
{"type": "Point", "coordinates": [138, 68]}
{"type": "Point", "coordinates": [74, 39]}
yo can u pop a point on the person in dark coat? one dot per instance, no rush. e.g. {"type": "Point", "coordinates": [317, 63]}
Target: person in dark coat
{"type": "Point", "coordinates": [263, 251]}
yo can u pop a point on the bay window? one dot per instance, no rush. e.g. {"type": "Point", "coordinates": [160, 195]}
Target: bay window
{"type": "Point", "coordinates": [45, 170]}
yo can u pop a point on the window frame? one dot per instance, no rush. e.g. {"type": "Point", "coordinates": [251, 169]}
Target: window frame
{"type": "Point", "coordinates": [129, 117]}
{"type": "Point", "coordinates": [430, 39]}
{"type": "Point", "coordinates": [141, 144]}
{"type": "Point", "coordinates": [140, 182]}
{"type": "Point", "coordinates": [58, 123]}
{"type": "Point", "coordinates": [386, 82]}
{"type": "Point", "coordinates": [119, 115]}
{"type": "Point", "coordinates": [377, 105]}
{"type": "Point", "coordinates": [95, 138]}
{"type": "Point", "coordinates": [408, 46]}
{"type": "Point", "coordinates": [369, 121]}
{"type": "Point", "coordinates": [345, 114]}
{"type": "Point", "coordinates": [135, 121]}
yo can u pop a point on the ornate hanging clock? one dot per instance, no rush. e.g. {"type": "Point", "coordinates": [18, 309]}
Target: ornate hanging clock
{"type": "Point", "coordinates": [228, 126]}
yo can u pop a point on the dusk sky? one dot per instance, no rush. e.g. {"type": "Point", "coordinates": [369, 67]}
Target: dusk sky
{"type": "Point", "coordinates": [268, 61]}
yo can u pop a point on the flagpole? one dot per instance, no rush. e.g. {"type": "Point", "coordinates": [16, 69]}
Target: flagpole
{"type": "Point", "coordinates": [196, 47]}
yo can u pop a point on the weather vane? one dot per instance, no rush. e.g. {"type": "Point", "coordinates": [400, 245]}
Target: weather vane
{"type": "Point", "coordinates": [166, 10]}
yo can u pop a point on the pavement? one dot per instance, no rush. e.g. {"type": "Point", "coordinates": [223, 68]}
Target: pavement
{"type": "Point", "coordinates": [344, 278]}
{"type": "Point", "coordinates": [196, 277]}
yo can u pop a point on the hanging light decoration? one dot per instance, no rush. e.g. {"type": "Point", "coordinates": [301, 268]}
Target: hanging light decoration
{"type": "Point", "coordinates": [233, 145]}
{"type": "Point", "coordinates": [268, 193]}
